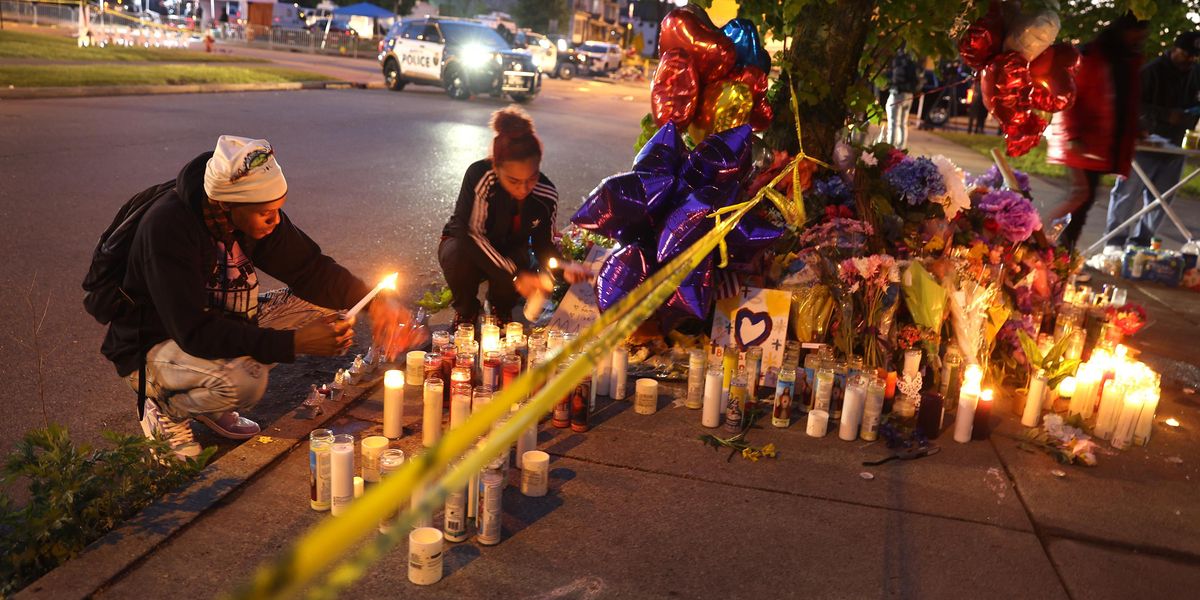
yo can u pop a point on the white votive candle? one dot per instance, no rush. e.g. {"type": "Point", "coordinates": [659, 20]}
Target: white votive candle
{"type": "Point", "coordinates": [414, 371]}
{"type": "Point", "coordinates": [431, 415]}
{"type": "Point", "coordinates": [1033, 400]}
{"type": "Point", "coordinates": [818, 423]}
{"type": "Point", "coordinates": [620, 366]}
{"type": "Point", "coordinates": [711, 411]}
{"type": "Point", "coordinates": [393, 404]}
{"type": "Point", "coordinates": [425, 564]}
{"type": "Point", "coordinates": [646, 401]}
{"type": "Point", "coordinates": [341, 473]}
{"type": "Point", "coordinates": [912, 362]}
{"type": "Point", "coordinates": [373, 448]}
{"type": "Point", "coordinates": [535, 473]}
{"type": "Point", "coordinates": [853, 404]}
{"type": "Point", "coordinates": [964, 420]}
{"type": "Point", "coordinates": [359, 487]}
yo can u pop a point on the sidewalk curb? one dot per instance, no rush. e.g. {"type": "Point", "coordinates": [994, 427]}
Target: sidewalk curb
{"type": "Point", "coordinates": [194, 88]}
{"type": "Point", "coordinates": [105, 559]}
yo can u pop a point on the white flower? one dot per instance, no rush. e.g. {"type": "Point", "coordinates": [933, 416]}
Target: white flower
{"type": "Point", "coordinates": [956, 198]}
{"type": "Point", "coordinates": [869, 159]}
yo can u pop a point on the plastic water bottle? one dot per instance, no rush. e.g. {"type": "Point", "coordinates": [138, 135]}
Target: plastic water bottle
{"type": "Point", "coordinates": [1190, 252]}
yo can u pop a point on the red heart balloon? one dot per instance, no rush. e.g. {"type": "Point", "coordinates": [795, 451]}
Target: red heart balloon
{"type": "Point", "coordinates": [712, 51]}
{"type": "Point", "coordinates": [983, 39]}
{"type": "Point", "coordinates": [676, 89]}
{"type": "Point", "coordinates": [1023, 133]}
{"type": "Point", "coordinates": [753, 77]}
{"type": "Point", "coordinates": [1053, 77]}
{"type": "Point", "coordinates": [762, 115]}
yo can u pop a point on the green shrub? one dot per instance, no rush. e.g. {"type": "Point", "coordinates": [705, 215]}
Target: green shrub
{"type": "Point", "coordinates": [77, 494]}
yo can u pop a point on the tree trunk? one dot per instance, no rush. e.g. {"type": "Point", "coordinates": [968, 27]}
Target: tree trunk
{"type": "Point", "coordinates": [827, 44]}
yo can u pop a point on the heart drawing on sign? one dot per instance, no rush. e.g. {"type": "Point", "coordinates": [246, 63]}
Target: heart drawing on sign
{"type": "Point", "coordinates": [751, 328]}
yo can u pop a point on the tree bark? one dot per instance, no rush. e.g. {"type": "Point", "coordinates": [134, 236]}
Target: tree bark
{"type": "Point", "coordinates": [827, 44]}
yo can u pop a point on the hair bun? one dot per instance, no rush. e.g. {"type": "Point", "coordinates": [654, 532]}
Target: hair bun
{"type": "Point", "coordinates": [512, 122]}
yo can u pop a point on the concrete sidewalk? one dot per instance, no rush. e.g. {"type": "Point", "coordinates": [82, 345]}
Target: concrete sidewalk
{"type": "Point", "coordinates": [639, 508]}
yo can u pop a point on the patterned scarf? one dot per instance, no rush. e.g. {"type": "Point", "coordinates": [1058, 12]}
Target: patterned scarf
{"type": "Point", "coordinates": [232, 287]}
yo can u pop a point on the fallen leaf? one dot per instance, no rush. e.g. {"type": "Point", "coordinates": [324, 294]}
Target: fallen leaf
{"type": "Point", "coordinates": [265, 439]}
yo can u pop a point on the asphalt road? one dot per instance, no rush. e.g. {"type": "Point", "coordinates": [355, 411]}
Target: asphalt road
{"type": "Point", "coordinates": [372, 177]}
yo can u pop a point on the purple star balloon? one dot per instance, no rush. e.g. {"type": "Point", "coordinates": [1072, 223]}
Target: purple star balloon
{"type": "Point", "coordinates": [622, 271]}
{"type": "Point", "coordinates": [693, 298]}
{"type": "Point", "coordinates": [619, 207]}
{"type": "Point", "coordinates": [721, 158]}
{"type": "Point", "coordinates": [688, 223]}
{"type": "Point", "coordinates": [749, 238]}
{"type": "Point", "coordinates": [663, 153]}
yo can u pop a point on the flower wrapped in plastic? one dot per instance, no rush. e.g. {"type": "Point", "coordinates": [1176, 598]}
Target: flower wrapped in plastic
{"type": "Point", "coordinates": [812, 307]}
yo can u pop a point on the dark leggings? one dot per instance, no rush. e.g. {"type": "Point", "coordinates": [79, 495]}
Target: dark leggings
{"type": "Point", "coordinates": [465, 267]}
{"type": "Point", "coordinates": [1083, 195]}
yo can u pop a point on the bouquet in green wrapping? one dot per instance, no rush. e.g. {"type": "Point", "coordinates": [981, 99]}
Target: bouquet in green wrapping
{"type": "Point", "coordinates": [924, 297]}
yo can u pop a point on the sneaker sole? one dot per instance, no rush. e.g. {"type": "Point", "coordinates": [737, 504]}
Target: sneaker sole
{"type": "Point", "coordinates": [221, 431]}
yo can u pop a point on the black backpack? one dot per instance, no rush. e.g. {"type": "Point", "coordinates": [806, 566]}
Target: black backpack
{"type": "Point", "coordinates": [103, 297]}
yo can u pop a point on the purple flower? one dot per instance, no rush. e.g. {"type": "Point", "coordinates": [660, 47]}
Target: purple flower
{"type": "Point", "coordinates": [993, 179]}
{"type": "Point", "coordinates": [1014, 215]}
{"type": "Point", "coordinates": [916, 180]}
{"type": "Point", "coordinates": [1011, 341]}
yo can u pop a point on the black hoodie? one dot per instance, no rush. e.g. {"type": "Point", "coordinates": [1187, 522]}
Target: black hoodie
{"type": "Point", "coordinates": [173, 256]}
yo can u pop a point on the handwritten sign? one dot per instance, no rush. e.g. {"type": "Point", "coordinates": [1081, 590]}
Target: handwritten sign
{"type": "Point", "coordinates": [754, 317]}
{"type": "Point", "coordinates": [578, 308]}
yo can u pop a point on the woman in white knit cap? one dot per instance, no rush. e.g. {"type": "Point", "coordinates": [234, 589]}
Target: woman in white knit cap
{"type": "Point", "coordinates": [206, 335]}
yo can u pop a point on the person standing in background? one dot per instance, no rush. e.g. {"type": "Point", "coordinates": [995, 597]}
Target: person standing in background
{"type": "Point", "coordinates": [1170, 104]}
{"type": "Point", "coordinates": [1096, 134]}
{"type": "Point", "coordinates": [904, 81]}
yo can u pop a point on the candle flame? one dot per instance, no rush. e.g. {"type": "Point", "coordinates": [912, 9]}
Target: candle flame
{"type": "Point", "coordinates": [986, 395]}
{"type": "Point", "coordinates": [552, 263]}
{"type": "Point", "coordinates": [1066, 388]}
{"type": "Point", "coordinates": [389, 282]}
{"type": "Point", "coordinates": [1122, 350]}
{"type": "Point", "coordinates": [393, 378]}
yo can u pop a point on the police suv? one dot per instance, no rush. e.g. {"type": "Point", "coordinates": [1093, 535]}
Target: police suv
{"type": "Point", "coordinates": [463, 56]}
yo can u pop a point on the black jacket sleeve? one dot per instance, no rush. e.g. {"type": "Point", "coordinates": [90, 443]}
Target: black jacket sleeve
{"type": "Point", "coordinates": [290, 256]}
{"type": "Point", "coordinates": [173, 265]}
{"type": "Point", "coordinates": [542, 234]}
{"type": "Point", "coordinates": [470, 218]}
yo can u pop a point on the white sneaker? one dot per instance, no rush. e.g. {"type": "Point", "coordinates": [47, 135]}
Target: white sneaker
{"type": "Point", "coordinates": [156, 424]}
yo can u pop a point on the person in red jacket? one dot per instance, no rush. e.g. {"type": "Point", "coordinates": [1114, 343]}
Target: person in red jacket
{"type": "Point", "coordinates": [1095, 135]}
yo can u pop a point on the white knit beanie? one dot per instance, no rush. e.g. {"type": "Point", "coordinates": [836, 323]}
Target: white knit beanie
{"type": "Point", "coordinates": [243, 170]}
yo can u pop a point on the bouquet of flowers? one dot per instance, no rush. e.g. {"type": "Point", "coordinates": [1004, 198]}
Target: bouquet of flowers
{"type": "Point", "coordinates": [1128, 319]}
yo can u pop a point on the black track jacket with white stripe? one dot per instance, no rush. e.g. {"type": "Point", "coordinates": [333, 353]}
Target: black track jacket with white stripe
{"type": "Point", "coordinates": [484, 215]}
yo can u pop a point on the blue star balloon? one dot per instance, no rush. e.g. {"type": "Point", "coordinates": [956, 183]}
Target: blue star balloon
{"type": "Point", "coordinates": [663, 152]}
{"type": "Point", "coordinates": [620, 206]}
{"type": "Point", "coordinates": [747, 43]}
{"type": "Point", "coordinates": [622, 271]}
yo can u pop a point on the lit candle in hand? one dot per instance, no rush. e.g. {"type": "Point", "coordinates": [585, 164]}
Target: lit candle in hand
{"type": "Point", "coordinates": [388, 283]}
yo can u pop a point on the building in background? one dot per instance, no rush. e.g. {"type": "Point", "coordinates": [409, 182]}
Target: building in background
{"type": "Point", "coordinates": [596, 20]}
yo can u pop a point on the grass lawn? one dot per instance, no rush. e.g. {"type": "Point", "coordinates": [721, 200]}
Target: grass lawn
{"type": "Point", "coordinates": [25, 76]}
{"type": "Point", "coordinates": [1035, 161]}
{"type": "Point", "coordinates": [15, 44]}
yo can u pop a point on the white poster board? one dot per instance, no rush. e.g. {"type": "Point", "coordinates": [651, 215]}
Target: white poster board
{"type": "Point", "coordinates": [755, 317]}
{"type": "Point", "coordinates": [578, 308]}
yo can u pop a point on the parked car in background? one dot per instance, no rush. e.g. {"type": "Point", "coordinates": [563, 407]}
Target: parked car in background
{"type": "Point", "coordinates": [463, 56]}
{"type": "Point", "coordinates": [337, 26]}
{"type": "Point", "coordinates": [602, 57]}
{"type": "Point", "coordinates": [568, 63]}
{"type": "Point", "coordinates": [545, 55]}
